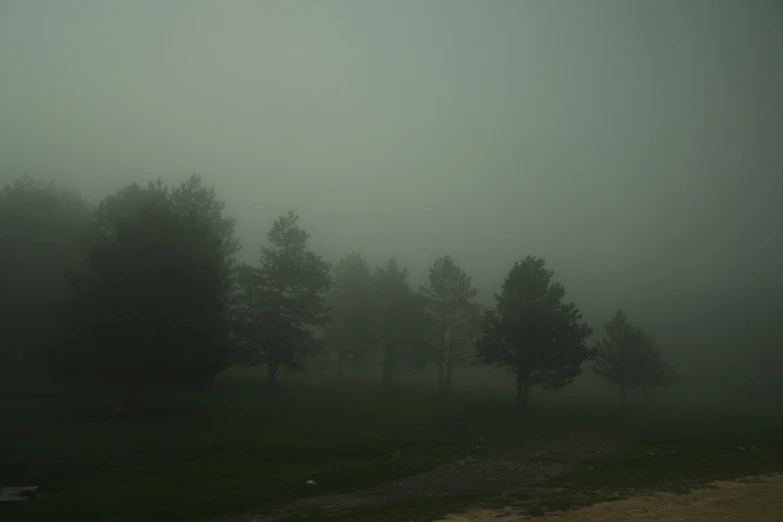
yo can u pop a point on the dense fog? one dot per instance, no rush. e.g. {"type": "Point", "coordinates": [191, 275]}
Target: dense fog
{"type": "Point", "coordinates": [633, 145]}
{"type": "Point", "coordinates": [367, 261]}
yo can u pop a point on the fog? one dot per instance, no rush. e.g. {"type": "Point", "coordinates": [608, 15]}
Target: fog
{"type": "Point", "coordinates": [635, 145]}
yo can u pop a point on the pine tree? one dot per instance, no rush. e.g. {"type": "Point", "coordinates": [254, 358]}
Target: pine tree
{"type": "Point", "coordinates": [532, 332]}
{"type": "Point", "coordinates": [448, 297]}
{"type": "Point", "coordinates": [281, 302]}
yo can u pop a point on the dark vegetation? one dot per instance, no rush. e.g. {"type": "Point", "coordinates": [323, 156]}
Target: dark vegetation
{"type": "Point", "coordinates": [130, 340]}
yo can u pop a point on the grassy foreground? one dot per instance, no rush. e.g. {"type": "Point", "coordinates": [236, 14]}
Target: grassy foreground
{"type": "Point", "coordinates": [239, 447]}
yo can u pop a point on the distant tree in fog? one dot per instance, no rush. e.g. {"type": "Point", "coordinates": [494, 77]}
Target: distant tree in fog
{"type": "Point", "coordinates": [350, 332]}
{"type": "Point", "coordinates": [466, 333]}
{"type": "Point", "coordinates": [45, 230]}
{"type": "Point", "coordinates": [152, 309]}
{"type": "Point", "coordinates": [532, 332]}
{"type": "Point", "coordinates": [401, 321]}
{"type": "Point", "coordinates": [626, 357]}
{"type": "Point", "coordinates": [449, 300]}
{"type": "Point", "coordinates": [279, 304]}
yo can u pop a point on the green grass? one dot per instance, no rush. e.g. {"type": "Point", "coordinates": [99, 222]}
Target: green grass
{"type": "Point", "coordinates": [224, 451]}
{"type": "Point", "coordinates": [684, 459]}
{"type": "Point", "coordinates": [238, 446]}
{"type": "Point", "coordinates": [676, 464]}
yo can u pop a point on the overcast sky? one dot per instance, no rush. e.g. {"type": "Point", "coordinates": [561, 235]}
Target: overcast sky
{"type": "Point", "coordinates": [637, 145]}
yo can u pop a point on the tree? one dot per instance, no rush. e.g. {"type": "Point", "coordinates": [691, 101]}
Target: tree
{"type": "Point", "coordinates": [627, 357]}
{"type": "Point", "coordinates": [532, 332]}
{"type": "Point", "coordinates": [402, 323]}
{"type": "Point", "coordinates": [193, 196]}
{"type": "Point", "coordinates": [468, 329]}
{"type": "Point", "coordinates": [45, 230]}
{"type": "Point", "coordinates": [126, 203]}
{"type": "Point", "coordinates": [280, 303]}
{"type": "Point", "coordinates": [449, 298]}
{"type": "Point", "coordinates": [351, 302]}
{"type": "Point", "coordinates": [151, 311]}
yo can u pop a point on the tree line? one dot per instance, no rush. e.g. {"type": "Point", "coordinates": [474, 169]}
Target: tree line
{"type": "Point", "coordinates": [144, 291]}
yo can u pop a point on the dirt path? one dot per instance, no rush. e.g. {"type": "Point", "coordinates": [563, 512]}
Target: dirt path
{"type": "Point", "coordinates": [757, 499]}
{"type": "Point", "coordinates": [508, 471]}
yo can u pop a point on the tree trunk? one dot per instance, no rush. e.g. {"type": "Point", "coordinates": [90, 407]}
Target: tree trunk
{"type": "Point", "coordinates": [340, 364]}
{"type": "Point", "coordinates": [440, 373]}
{"type": "Point", "coordinates": [388, 366]}
{"type": "Point", "coordinates": [449, 366]}
{"type": "Point", "coordinates": [523, 390]}
{"type": "Point", "coordinates": [441, 356]}
{"type": "Point", "coordinates": [341, 353]}
{"type": "Point", "coordinates": [449, 358]}
{"type": "Point", "coordinates": [271, 372]}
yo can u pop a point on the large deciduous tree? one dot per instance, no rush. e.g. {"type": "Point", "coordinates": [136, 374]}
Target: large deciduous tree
{"type": "Point", "coordinates": [532, 332]}
{"type": "Point", "coordinates": [152, 310]}
{"type": "Point", "coordinates": [449, 297]}
{"type": "Point", "coordinates": [402, 324]}
{"type": "Point", "coordinates": [193, 196]}
{"type": "Point", "coordinates": [627, 357]}
{"type": "Point", "coordinates": [45, 230]}
{"type": "Point", "coordinates": [351, 302]}
{"type": "Point", "coordinates": [280, 303]}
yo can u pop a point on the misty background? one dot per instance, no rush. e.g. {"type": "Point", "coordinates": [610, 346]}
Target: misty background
{"type": "Point", "coordinates": [635, 145]}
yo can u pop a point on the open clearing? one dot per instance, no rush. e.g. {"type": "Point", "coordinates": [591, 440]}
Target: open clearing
{"type": "Point", "coordinates": [316, 449]}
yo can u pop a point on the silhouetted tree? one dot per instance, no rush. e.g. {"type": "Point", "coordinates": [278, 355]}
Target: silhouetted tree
{"type": "Point", "coordinates": [281, 302]}
{"type": "Point", "coordinates": [627, 357]}
{"type": "Point", "coordinates": [448, 297]}
{"type": "Point", "coordinates": [151, 311]}
{"type": "Point", "coordinates": [402, 323]}
{"type": "Point", "coordinates": [45, 230]}
{"type": "Point", "coordinates": [533, 332]}
{"type": "Point", "coordinates": [351, 304]}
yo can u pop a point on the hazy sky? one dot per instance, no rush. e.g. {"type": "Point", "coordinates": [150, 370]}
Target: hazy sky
{"type": "Point", "coordinates": [636, 144]}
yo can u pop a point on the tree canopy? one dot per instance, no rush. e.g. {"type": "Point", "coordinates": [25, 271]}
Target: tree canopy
{"type": "Point", "coordinates": [532, 332]}
{"type": "Point", "coordinates": [193, 196]}
{"type": "Point", "coordinates": [162, 260]}
{"type": "Point", "coordinates": [151, 310]}
{"type": "Point", "coordinates": [281, 302]}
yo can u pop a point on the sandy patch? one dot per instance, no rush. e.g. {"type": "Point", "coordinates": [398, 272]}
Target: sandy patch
{"type": "Point", "coordinates": [759, 499]}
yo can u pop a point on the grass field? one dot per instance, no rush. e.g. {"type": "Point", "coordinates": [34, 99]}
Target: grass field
{"type": "Point", "coordinates": [238, 447]}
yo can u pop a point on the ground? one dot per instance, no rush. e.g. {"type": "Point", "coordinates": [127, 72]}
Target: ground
{"type": "Point", "coordinates": [756, 498]}
{"type": "Point", "coordinates": [318, 449]}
